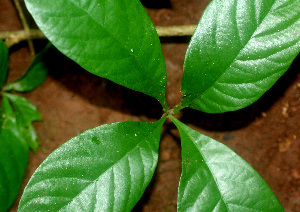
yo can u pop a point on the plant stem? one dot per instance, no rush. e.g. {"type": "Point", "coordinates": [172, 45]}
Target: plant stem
{"type": "Point", "coordinates": [14, 37]}
{"type": "Point", "coordinates": [25, 26]}
{"type": "Point", "coordinates": [175, 31]}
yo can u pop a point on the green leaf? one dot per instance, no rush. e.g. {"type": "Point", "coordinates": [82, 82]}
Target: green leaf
{"type": "Point", "coordinates": [26, 113]}
{"type": "Point", "coordinates": [114, 39]}
{"type": "Point", "coordinates": [35, 74]}
{"type": "Point", "coordinates": [238, 51]}
{"type": "Point", "coordinates": [13, 157]}
{"type": "Point", "coordinates": [31, 137]}
{"type": "Point", "coordinates": [103, 169]}
{"type": "Point", "coordinates": [3, 63]}
{"type": "Point", "coordinates": [214, 178]}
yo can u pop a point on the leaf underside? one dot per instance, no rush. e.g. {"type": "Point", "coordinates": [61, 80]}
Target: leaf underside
{"type": "Point", "coordinates": [111, 39]}
{"type": "Point", "coordinates": [103, 169]}
{"type": "Point", "coordinates": [13, 157]}
{"type": "Point", "coordinates": [214, 178]}
{"type": "Point", "coordinates": [238, 51]}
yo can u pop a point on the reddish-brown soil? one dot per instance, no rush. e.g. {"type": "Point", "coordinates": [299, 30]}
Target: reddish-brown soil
{"type": "Point", "coordinates": [71, 100]}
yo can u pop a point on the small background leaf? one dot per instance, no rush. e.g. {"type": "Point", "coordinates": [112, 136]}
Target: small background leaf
{"type": "Point", "coordinates": [112, 39]}
{"type": "Point", "coordinates": [35, 74]}
{"type": "Point", "coordinates": [238, 51]}
{"type": "Point", "coordinates": [103, 169]}
{"type": "Point", "coordinates": [214, 178]}
{"type": "Point", "coordinates": [26, 113]}
{"type": "Point", "coordinates": [3, 63]}
{"type": "Point", "coordinates": [13, 157]}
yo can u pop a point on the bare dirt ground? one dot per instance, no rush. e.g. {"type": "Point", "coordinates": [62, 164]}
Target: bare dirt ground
{"type": "Point", "coordinates": [72, 100]}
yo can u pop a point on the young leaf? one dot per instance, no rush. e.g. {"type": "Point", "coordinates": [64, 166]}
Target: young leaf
{"type": "Point", "coordinates": [34, 76]}
{"type": "Point", "coordinates": [3, 63]}
{"type": "Point", "coordinates": [31, 137]}
{"type": "Point", "coordinates": [103, 169]}
{"type": "Point", "coordinates": [114, 39]}
{"type": "Point", "coordinates": [13, 157]}
{"type": "Point", "coordinates": [238, 51]}
{"type": "Point", "coordinates": [214, 178]}
{"type": "Point", "coordinates": [26, 113]}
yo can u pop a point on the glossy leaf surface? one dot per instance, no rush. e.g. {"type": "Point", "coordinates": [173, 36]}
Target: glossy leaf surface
{"type": "Point", "coordinates": [238, 51]}
{"type": "Point", "coordinates": [13, 156]}
{"type": "Point", "coordinates": [3, 63]}
{"type": "Point", "coordinates": [214, 178]}
{"type": "Point", "coordinates": [35, 74]}
{"type": "Point", "coordinates": [114, 39]}
{"type": "Point", "coordinates": [103, 169]}
{"type": "Point", "coordinates": [26, 113]}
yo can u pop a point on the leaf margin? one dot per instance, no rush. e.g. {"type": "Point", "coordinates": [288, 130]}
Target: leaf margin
{"type": "Point", "coordinates": [228, 100]}
{"type": "Point", "coordinates": [273, 204]}
{"type": "Point", "coordinates": [23, 205]}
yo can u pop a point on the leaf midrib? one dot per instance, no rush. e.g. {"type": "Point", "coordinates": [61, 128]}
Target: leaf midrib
{"type": "Point", "coordinates": [109, 168]}
{"type": "Point", "coordinates": [190, 137]}
{"type": "Point", "coordinates": [225, 70]}
{"type": "Point", "coordinates": [144, 72]}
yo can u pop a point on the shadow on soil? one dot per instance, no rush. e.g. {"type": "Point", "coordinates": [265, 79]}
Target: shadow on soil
{"type": "Point", "coordinates": [104, 93]}
{"type": "Point", "coordinates": [156, 4]}
{"type": "Point", "coordinates": [99, 91]}
{"type": "Point", "coordinates": [241, 118]}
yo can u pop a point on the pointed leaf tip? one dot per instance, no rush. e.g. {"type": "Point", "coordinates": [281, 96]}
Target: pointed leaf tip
{"type": "Point", "coordinates": [114, 39]}
{"type": "Point", "coordinates": [35, 75]}
{"type": "Point", "coordinates": [238, 51]}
